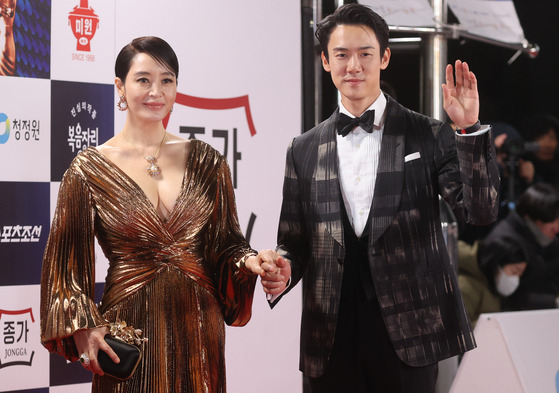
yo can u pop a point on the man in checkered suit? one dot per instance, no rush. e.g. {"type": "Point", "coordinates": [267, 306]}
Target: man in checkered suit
{"type": "Point", "coordinates": [360, 221]}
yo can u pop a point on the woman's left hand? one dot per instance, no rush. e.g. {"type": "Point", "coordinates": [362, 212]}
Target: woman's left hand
{"type": "Point", "coordinates": [89, 342]}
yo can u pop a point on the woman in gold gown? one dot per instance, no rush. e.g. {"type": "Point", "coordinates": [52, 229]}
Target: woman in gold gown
{"type": "Point", "coordinates": [179, 266]}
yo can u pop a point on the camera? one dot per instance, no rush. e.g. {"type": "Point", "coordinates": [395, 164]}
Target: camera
{"type": "Point", "coordinates": [515, 147]}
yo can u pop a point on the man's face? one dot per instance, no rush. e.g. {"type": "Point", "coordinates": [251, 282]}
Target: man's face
{"type": "Point", "coordinates": [354, 62]}
{"type": "Point", "coordinates": [548, 145]}
{"type": "Point", "coordinates": [549, 229]}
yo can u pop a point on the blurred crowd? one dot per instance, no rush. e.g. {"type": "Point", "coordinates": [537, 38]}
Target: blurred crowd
{"type": "Point", "coordinates": [513, 264]}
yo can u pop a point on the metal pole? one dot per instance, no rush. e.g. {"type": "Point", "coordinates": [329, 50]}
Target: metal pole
{"type": "Point", "coordinates": [317, 66]}
{"type": "Point", "coordinates": [434, 60]}
{"type": "Point", "coordinates": [455, 31]}
{"type": "Point", "coordinates": [308, 60]}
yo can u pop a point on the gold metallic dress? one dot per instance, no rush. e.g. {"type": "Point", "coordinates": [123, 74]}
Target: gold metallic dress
{"type": "Point", "coordinates": [176, 279]}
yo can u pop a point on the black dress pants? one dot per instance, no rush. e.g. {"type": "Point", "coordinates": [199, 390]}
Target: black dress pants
{"type": "Point", "coordinates": [363, 359]}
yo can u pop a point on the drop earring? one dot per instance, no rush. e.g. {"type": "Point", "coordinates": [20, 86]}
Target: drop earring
{"type": "Point", "coordinates": [122, 105]}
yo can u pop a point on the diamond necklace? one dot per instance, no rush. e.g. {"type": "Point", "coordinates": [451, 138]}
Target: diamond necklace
{"type": "Point", "coordinates": [153, 169]}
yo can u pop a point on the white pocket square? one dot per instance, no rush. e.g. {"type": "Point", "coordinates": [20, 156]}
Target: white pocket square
{"type": "Point", "coordinates": [412, 156]}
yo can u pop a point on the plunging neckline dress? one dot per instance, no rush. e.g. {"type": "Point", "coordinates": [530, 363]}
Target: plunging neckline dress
{"type": "Point", "coordinates": [178, 279]}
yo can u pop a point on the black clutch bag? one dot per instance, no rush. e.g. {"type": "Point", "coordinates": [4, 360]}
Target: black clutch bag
{"type": "Point", "coordinates": [126, 342]}
{"type": "Point", "coordinates": [129, 355]}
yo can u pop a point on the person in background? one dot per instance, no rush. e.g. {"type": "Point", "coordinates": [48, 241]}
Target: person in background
{"type": "Point", "coordinates": [360, 221]}
{"type": "Point", "coordinates": [163, 211]}
{"type": "Point", "coordinates": [478, 298]}
{"type": "Point", "coordinates": [517, 173]}
{"type": "Point", "coordinates": [543, 129]}
{"type": "Point", "coordinates": [520, 255]}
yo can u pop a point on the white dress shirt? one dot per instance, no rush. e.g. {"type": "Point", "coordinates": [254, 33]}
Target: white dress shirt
{"type": "Point", "coordinates": [358, 155]}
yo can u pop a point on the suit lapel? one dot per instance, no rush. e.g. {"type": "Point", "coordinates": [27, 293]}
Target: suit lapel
{"type": "Point", "coordinates": [390, 173]}
{"type": "Point", "coordinates": [326, 184]}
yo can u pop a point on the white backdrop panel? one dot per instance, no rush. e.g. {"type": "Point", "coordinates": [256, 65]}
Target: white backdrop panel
{"type": "Point", "coordinates": [25, 104]}
{"type": "Point", "coordinates": [517, 353]}
{"type": "Point", "coordinates": [230, 49]}
{"type": "Point", "coordinates": [68, 63]}
{"type": "Point", "coordinates": [248, 49]}
{"type": "Point", "coordinates": [25, 328]}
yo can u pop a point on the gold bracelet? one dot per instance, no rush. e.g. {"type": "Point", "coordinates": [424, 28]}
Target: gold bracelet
{"type": "Point", "coordinates": [241, 262]}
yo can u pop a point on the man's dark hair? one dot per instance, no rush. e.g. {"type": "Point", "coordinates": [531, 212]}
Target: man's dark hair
{"type": "Point", "coordinates": [352, 14]}
{"type": "Point", "coordinates": [155, 47]}
{"type": "Point", "coordinates": [540, 202]}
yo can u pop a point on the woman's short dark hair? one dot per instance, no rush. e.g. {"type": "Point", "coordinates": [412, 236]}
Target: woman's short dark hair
{"type": "Point", "coordinates": [352, 14]}
{"type": "Point", "coordinates": [155, 47]}
{"type": "Point", "coordinates": [540, 202]}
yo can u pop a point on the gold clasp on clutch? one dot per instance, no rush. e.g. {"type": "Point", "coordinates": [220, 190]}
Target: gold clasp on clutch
{"type": "Point", "coordinates": [121, 331]}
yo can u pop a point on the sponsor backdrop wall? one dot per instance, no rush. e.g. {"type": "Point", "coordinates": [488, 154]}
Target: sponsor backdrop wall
{"type": "Point", "coordinates": [239, 90]}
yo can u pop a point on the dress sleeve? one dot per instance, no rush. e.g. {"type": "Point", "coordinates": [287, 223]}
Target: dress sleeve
{"type": "Point", "coordinates": [226, 248]}
{"type": "Point", "coordinates": [68, 271]}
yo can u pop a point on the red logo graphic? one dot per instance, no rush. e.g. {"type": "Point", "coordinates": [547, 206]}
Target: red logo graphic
{"type": "Point", "coordinates": [14, 332]}
{"type": "Point", "coordinates": [84, 23]}
{"type": "Point", "coordinates": [216, 104]}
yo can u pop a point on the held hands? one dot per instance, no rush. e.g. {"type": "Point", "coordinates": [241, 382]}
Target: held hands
{"type": "Point", "coordinates": [273, 269]}
{"type": "Point", "coordinates": [461, 100]}
{"type": "Point", "coordinates": [89, 342]}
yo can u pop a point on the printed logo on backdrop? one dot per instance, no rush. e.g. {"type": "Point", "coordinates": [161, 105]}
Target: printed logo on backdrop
{"type": "Point", "coordinates": [4, 128]}
{"type": "Point", "coordinates": [226, 141]}
{"type": "Point", "coordinates": [20, 129]}
{"type": "Point", "coordinates": [84, 23]}
{"type": "Point", "coordinates": [24, 227]}
{"type": "Point", "coordinates": [82, 115]}
{"type": "Point", "coordinates": [15, 350]}
{"type": "Point", "coordinates": [21, 233]}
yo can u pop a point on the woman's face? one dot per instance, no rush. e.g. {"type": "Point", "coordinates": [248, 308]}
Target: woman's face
{"type": "Point", "coordinates": [149, 89]}
{"type": "Point", "coordinates": [548, 145]}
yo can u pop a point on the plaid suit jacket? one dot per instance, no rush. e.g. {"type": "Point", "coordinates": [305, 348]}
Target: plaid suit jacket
{"type": "Point", "coordinates": [415, 283]}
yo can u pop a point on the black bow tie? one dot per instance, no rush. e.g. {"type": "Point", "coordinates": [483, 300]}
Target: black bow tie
{"type": "Point", "coordinates": [346, 124]}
